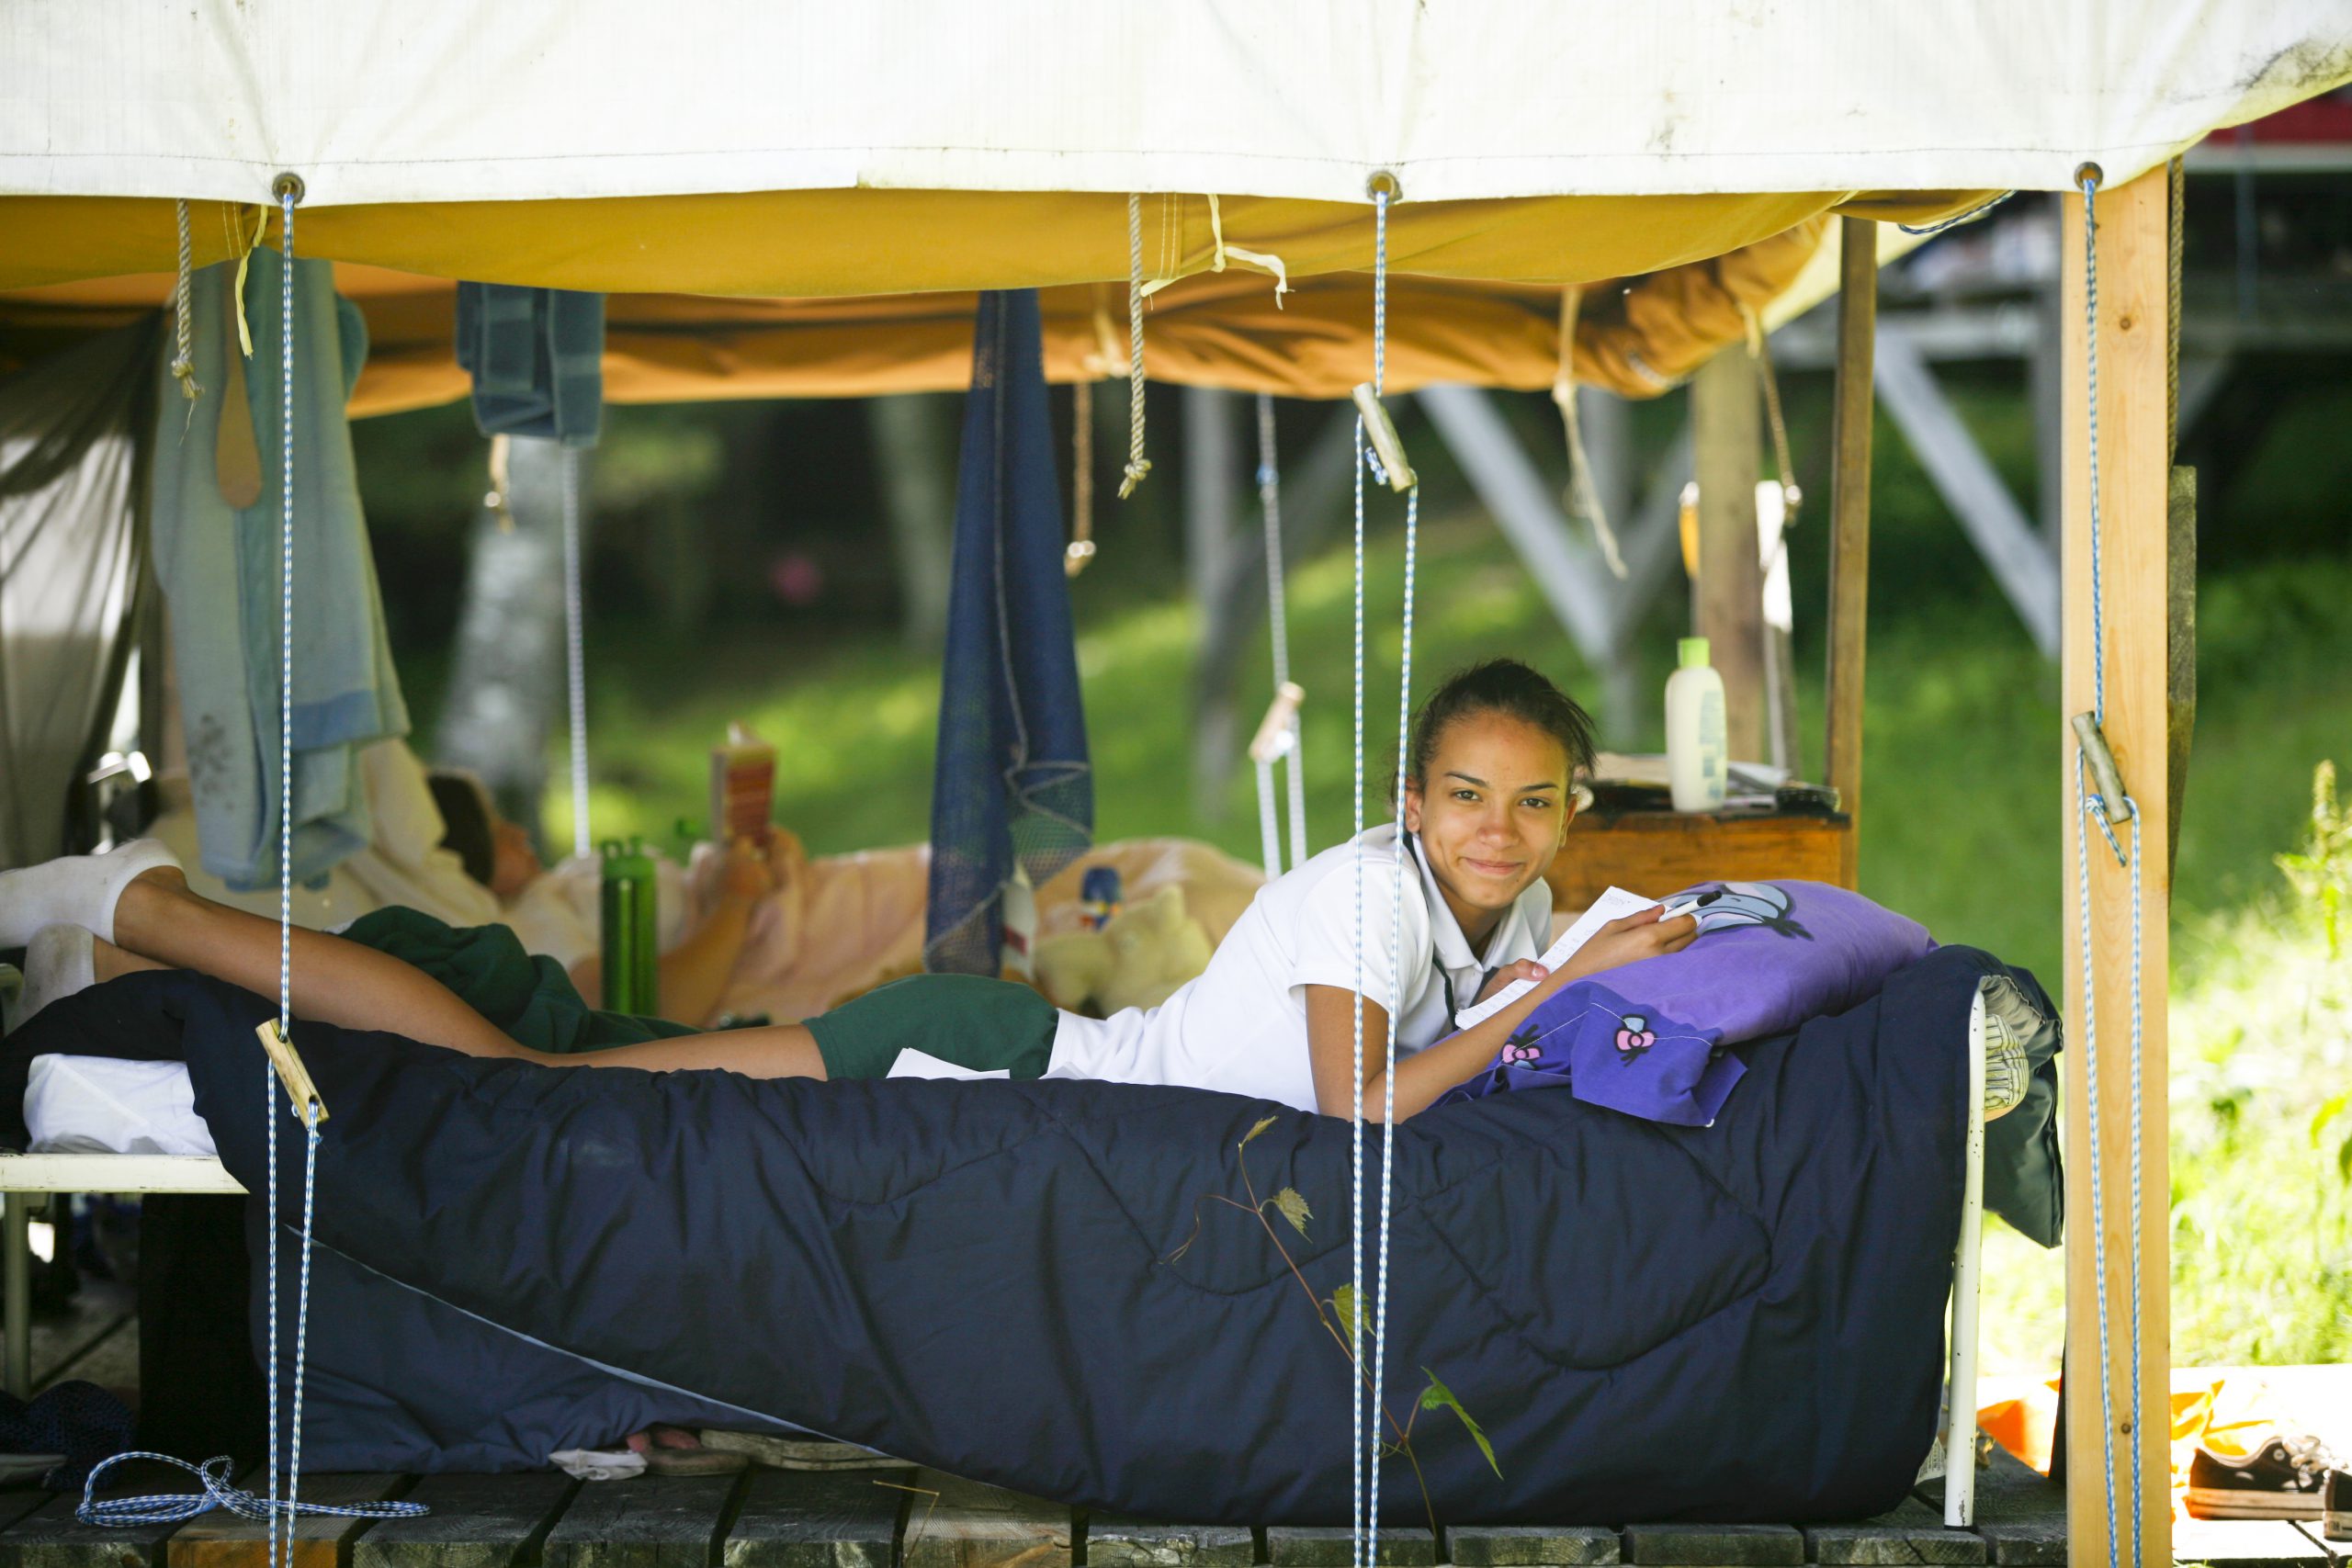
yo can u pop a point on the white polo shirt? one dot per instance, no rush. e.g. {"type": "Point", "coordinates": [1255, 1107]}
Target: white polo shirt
{"type": "Point", "coordinates": [1241, 1025]}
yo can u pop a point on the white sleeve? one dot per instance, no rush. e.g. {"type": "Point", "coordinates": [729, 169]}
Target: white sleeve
{"type": "Point", "coordinates": [1326, 939]}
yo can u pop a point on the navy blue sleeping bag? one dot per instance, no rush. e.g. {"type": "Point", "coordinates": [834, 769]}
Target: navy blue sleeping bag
{"type": "Point", "coordinates": [1651, 1322]}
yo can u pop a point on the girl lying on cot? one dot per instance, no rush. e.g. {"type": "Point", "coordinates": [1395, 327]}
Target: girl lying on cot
{"type": "Point", "coordinates": [1489, 798]}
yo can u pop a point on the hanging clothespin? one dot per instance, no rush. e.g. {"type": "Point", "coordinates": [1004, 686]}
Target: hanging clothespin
{"type": "Point", "coordinates": [309, 1109]}
{"type": "Point", "coordinates": [1388, 464]}
{"type": "Point", "coordinates": [2110, 805]}
{"type": "Point", "coordinates": [1275, 730]}
{"type": "Point", "coordinates": [500, 507]}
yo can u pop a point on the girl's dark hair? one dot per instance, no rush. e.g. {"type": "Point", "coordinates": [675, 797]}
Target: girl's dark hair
{"type": "Point", "coordinates": [1508, 687]}
{"type": "Point", "coordinates": [466, 824]}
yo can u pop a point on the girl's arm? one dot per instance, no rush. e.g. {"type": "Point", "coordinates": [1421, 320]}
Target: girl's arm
{"type": "Point", "coordinates": [1426, 1075]}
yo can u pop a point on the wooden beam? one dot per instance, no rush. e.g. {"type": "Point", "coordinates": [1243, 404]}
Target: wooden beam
{"type": "Point", "coordinates": [1729, 599]}
{"type": "Point", "coordinates": [1849, 520]}
{"type": "Point", "coordinates": [2135, 472]}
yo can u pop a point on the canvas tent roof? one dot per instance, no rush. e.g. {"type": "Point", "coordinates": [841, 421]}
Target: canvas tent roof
{"type": "Point", "coordinates": [806, 149]}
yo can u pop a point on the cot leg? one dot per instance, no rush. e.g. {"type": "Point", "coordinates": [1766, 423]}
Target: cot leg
{"type": "Point", "coordinates": [1960, 1439]}
{"type": "Point", "coordinates": [16, 1290]}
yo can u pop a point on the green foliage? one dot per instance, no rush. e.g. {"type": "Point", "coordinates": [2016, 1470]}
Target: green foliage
{"type": "Point", "coordinates": [1350, 1308]}
{"type": "Point", "coordinates": [2321, 870]}
{"type": "Point", "coordinates": [1293, 1207]}
{"type": "Point", "coordinates": [1437, 1396]}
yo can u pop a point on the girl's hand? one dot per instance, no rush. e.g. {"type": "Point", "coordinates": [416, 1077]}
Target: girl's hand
{"type": "Point", "coordinates": [1633, 939]}
{"type": "Point", "coordinates": [745, 877]}
{"type": "Point", "coordinates": [1510, 974]}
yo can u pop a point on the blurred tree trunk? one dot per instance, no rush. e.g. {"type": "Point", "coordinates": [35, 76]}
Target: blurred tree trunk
{"type": "Point", "coordinates": [506, 674]}
{"type": "Point", "coordinates": [914, 443]}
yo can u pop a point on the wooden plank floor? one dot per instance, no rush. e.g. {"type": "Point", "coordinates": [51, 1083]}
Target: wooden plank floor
{"type": "Point", "coordinates": [899, 1519]}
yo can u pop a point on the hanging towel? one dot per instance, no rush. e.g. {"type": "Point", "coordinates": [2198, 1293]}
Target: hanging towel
{"type": "Point", "coordinates": [219, 567]}
{"type": "Point", "coordinates": [1011, 785]}
{"type": "Point", "coordinates": [537, 360]}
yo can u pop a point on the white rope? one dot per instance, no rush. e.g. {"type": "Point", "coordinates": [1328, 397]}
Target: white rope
{"type": "Point", "coordinates": [575, 668]}
{"type": "Point", "coordinates": [2094, 808]}
{"type": "Point", "coordinates": [284, 849]}
{"type": "Point", "coordinates": [1357, 1440]}
{"type": "Point", "coordinates": [177, 1507]}
{"type": "Point", "coordinates": [1270, 503]}
{"type": "Point", "coordinates": [1137, 464]}
{"type": "Point", "coordinates": [1404, 867]}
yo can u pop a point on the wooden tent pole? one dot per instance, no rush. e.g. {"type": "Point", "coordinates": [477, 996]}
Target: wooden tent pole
{"type": "Point", "coordinates": [1727, 602]}
{"type": "Point", "coordinates": [1849, 522]}
{"type": "Point", "coordinates": [2134, 475]}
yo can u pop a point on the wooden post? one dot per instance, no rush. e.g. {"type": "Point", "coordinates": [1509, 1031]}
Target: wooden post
{"type": "Point", "coordinates": [1727, 426]}
{"type": "Point", "coordinates": [1849, 522]}
{"type": "Point", "coordinates": [2133, 529]}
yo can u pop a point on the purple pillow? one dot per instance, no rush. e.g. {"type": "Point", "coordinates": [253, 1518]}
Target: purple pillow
{"type": "Point", "coordinates": [1650, 1039]}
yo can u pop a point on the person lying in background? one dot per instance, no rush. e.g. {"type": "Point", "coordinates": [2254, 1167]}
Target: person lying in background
{"type": "Point", "coordinates": [558, 913]}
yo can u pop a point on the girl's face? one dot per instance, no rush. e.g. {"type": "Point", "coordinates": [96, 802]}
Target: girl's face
{"type": "Point", "coordinates": [1490, 809]}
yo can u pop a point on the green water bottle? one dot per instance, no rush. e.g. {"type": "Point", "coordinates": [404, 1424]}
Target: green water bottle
{"type": "Point", "coordinates": [632, 970]}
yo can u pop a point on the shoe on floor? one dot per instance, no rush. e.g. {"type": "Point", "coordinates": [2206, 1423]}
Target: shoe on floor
{"type": "Point", "coordinates": [2280, 1480]}
{"type": "Point", "coordinates": [2336, 1506]}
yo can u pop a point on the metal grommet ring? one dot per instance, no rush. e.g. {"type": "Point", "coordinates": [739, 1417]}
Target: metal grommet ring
{"type": "Point", "coordinates": [1384, 182]}
{"type": "Point", "coordinates": [286, 184]}
{"type": "Point", "coordinates": [2088, 172]}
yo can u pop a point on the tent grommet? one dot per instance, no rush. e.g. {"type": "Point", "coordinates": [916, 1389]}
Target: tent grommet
{"type": "Point", "coordinates": [288, 185]}
{"type": "Point", "coordinates": [2088, 170]}
{"type": "Point", "coordinates": [1384, 182]}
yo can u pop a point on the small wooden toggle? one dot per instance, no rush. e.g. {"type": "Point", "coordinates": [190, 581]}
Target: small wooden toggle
{"type": "Point", "coordinates": [1385, 446]}
{"type": "Point", "coordinates": [2104, 774]}
{"type": "Point", "coordinates": [1273, 730]}
{"type": "Point", "coordinates": [291, 1073]}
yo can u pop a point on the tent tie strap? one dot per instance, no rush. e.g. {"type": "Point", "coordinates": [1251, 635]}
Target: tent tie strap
{"type": "Point", "coordinates": [1583, 497]}
{"type": "Point", "coordinates": [1137, 464]}
{"type": "Point", "coordinates": [183, 320]}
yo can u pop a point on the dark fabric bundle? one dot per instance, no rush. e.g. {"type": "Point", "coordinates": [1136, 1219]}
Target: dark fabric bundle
{"type": "Point", "coordinates": [1011, 785]}
{"type": "Point", "coordinates": [537, 360]}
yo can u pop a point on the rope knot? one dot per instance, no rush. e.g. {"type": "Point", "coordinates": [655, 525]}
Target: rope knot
{"type": "Point", "coordinates": [1136, 469]}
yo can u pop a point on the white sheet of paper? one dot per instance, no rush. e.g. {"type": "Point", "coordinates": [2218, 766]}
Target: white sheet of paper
{"type": "Point", "coordinates": [914, 1064]}
{"type": "Point", "coordinates": [1614, 904]}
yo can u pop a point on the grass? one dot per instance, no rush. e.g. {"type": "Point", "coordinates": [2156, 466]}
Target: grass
{"type": "Point", "coordinates": [1962, 830]}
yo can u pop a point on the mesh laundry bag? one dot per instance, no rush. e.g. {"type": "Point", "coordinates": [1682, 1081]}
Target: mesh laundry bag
{"type": "Point", "coordinates": [1012, 786]}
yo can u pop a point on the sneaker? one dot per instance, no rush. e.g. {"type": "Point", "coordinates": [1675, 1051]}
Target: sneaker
{"type": "Point", "coordinates": [2336, 1506]}
{"type": "Point", "coordinates": [2279, 1481]}
{"type": "Point", "coordinates": [2008, 1071]}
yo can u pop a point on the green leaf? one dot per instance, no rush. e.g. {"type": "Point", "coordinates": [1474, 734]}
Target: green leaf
{"type": "Point", "coordinates": [1437, 1396]}
{"type": "Point", "coordinates": [1293, 1208]}
{"type": "Point", "coordinates": [1255, 1131]}
{"type": "Point", "coordinates": [2343, 1160]}
{"type": "Point", "coordinates": [1351, 1311]}
{"type": "Point", "coordinates": [2329, 1109]}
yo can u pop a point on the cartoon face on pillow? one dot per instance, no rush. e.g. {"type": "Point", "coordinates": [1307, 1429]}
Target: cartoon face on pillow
{"type": "Point", "coordinates": [1725, 906]}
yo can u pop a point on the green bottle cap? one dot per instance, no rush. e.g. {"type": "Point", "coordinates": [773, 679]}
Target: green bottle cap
{"type": "Point", "coordinates": [1691, 652]}
{"type": "Point", "coordinates": [626, 862]}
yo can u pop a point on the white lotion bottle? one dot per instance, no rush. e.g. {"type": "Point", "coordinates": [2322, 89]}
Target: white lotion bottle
{"type": "Point", "coordinates": [1696, 767]}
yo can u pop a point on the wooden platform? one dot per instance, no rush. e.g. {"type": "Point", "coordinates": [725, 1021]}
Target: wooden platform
{"type": "Point", "coordinates": [906, 1518]}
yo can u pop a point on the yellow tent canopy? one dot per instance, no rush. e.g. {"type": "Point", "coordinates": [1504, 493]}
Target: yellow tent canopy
{"type": "Point", "coordinates": [1635, 336]}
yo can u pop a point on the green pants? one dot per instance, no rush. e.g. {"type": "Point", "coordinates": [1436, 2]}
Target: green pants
{"type": "Point", "coordinates": [985, 1026]}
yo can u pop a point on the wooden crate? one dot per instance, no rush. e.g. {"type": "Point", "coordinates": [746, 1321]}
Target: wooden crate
{"type": "Point", "coordinates": [1656, 852]}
